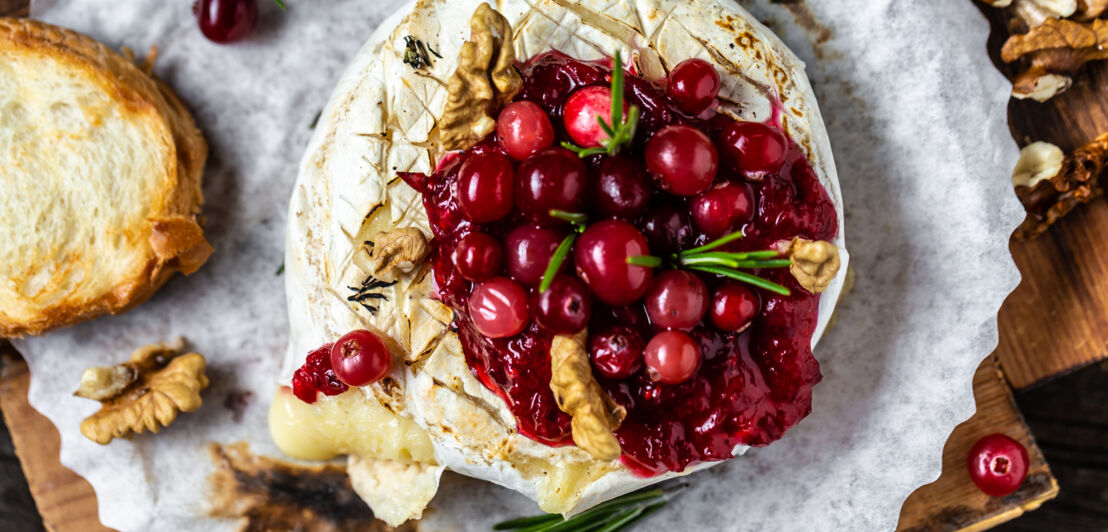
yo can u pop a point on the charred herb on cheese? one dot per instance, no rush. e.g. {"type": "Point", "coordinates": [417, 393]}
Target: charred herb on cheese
{"type": "Point", "coordinates": [417, 54]}
{"type": "Point", "coordinates": [367, 295]}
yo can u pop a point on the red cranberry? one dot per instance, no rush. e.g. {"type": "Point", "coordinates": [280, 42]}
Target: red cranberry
{"type": "Point", "coordinates": [316, 375]}
{"type": "Point", "coordinates": [360, 358]}
{"type": "Point", "coordinates": [485, 187]}
{"type": "Point", "coordinates": [753, 148]}
{"type": "Point", "coordinates": [682, 160]}
{"type": "Point", "coordinates": [693, 85]}
{"type": "Point", "coordinates": [524, 129]}
{"type": "Point", "coordinates": [622, 188]}
{"type": "Point", "coordinates": [564, 307]}
{"type": "Point", "coordinates": [226, 21]}
{"type": "Point", "coordinates": [721, 209]}
{"type": "Point", "coordinates": [668, 229]}
{"type": "Point", "coordinates": [671, 357]}
{"type": "Point", "coordinates": [581, 111]}
{"type": "Point", "coordinates": [529, 250]}
{"type": "Point", "coordinates": [678, 299]}
{"type": "Point", "coordinates": [554, 178]}
{"type": "Point", "coordinates": [734, 306]}
{"type": "Point", "coordinates": [616, 351]}
{"type": "Point", "coordinates": [498, 308]}
{"type": "Point", "coordinates": [601, 256]}
{"type": "Point", "coordinates": [997, 464]}
{"type": "Point", "coordinates": [478, 256]}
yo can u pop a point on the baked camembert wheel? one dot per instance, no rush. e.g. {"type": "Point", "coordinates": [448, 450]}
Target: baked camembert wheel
{"type": "Point", "coordinates": [573, 248]}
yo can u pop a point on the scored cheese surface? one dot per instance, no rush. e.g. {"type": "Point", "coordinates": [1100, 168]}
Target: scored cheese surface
{"type": "Point", "coordinates": [379, 122]}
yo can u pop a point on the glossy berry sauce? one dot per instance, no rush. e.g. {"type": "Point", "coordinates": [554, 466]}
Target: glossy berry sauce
{"type": "Point", "coordinates": [317, 376]}
{"type": "Point", "coordinates": [750, 387]}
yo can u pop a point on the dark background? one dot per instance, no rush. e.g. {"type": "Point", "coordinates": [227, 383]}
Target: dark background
{"type": "Point", "coordinates": [1069, 417]}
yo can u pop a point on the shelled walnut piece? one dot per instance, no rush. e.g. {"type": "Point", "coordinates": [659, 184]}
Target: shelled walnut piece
{"type": "Point", "coordinates": [1056, 51]}
{"type": "Point", "coordinates": [595, 415]}
{"type": "Point", "coordinates": [485, 81]}
{"type": "Point", "coordinates": [397, 252]}
{"type": "Point", "coordinates": [145, 393]}
{"type": "Point", "coordinates": [814, 264]}
{"type": "Point", "coordinates": [1050, 185]}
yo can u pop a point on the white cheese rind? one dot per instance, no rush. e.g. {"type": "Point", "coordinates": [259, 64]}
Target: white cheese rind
{"type": "Point", "coordinates": [377, 122]}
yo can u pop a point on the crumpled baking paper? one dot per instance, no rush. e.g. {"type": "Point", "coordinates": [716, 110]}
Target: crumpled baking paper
{"type": "Point", "coordinates": [916, 115]}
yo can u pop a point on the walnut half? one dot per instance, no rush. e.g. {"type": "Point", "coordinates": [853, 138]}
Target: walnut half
{"type": "Point", "coordinates": [595, 415]}
{"type": "Point", "coordinates": [1056, 50]}
{"type": "Point", "coordinates": [145, 393]}
{"type": "Point", "coordinates": [397, 252]}
{"type": "Point", "coordinates": [814, 263]}
{"type": "Point", "coordinates": [1051, 185]}
{"type": "Point", "coordinates": [485, 81]}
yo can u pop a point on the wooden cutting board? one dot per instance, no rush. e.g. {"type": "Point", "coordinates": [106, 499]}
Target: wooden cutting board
{"type": "Point", "coordinates": [1055, 322]}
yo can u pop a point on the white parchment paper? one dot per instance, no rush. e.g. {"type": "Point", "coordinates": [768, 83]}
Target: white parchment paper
{"type": "Point", "coordinates": [916, 115]}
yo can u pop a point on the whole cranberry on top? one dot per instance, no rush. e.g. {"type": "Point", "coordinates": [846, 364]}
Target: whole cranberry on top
{"type": "Point", "coordinates": [723, 209]}
{"type": "Point", "coordinates": [671, 357]}
{"type": "Point", "coordinates": [693, 85]}
{"type": "Point", "coordinates": [498, 308]}
{"type": "Point", "coordinates": [564, 307]}
{"type": "Point", "coordinates": [581, 111]}
{"type": "Point", "coordinates": [621, 187]}
{"type": "Point", "coordinates": [682, 160]}
{"type": "Point", "coordinates": [677, 299]}
{"type": "Point", "coordinates": [753, 148]}
{"type": "Point", "coordinates": [529, 249]}
{"type": "Point", "coordinates": [523, 129]}
{"type": "Point", "coordinates": [552, 179]}
{"type": "Point", "coordinates": [734, 306]}
{"type": "Point", "coordinates": [360, 358]}
{"type": "Point", "coordinates": [485, 192]}
{"type": "Point", "coordinates": [601, 255]}
{"type": "Point", "coordinates": [226, 21]}
{"type": "Point", "coordinates": [478, 256]}
{"type": "Point", "coordinates": [616, 351]}
{"type": "Point", "coordinates": [997, 464]}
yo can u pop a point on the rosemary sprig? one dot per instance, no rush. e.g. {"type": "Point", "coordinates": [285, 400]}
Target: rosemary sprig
{"type": "Point", "coordinates": [281, 5]}
{"type": "Point", "coordinates": [614, 515]}
{"type": "Point", "coordinates": [556, 261]}
{"type": "Point", "coordinates": [744, 277]}
{"type": "Point", "coordinates": [555, 265]}
{"type": "Point", "coordinates": [620, 132]}
{"type": "Point", "coordinates": [727, 264]}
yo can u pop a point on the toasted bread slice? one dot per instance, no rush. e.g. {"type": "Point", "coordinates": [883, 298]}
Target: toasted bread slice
{"type": "Point", "coordinates": [100, 167]}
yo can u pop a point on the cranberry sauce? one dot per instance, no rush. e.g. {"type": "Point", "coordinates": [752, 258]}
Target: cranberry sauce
{"type": "Point", "coordinates": [750, 387]}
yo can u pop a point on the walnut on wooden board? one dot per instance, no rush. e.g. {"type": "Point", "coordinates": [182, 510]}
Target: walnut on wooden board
{"type": "Point", "coordinates": [1050, 184]}
{"type": "Point", "coordinates": [145, 393]}
{"type": "Point", "coordinates": [1054, 52]}
{"type": "Point", "coordinates": [486, 80]}
{"type": "Point", "coordinates": [595, 415]}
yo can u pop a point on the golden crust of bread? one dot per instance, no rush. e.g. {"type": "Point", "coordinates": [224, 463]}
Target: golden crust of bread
{"type": "Point", "coordinates": [170, 240]}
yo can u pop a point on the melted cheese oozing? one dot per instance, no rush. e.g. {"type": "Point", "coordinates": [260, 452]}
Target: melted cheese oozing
{"type": "Point", "coordinates": [345, 424]}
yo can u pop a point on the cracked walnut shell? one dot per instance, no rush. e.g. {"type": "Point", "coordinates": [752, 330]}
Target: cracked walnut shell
{"type": "Point", "coordinates": [145, 393]}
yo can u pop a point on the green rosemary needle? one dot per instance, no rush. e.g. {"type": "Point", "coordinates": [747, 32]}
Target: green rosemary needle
{"type": "Point", "coordinates": [556, 261]}
{"type": "Point", "coordinates": [620, 129]}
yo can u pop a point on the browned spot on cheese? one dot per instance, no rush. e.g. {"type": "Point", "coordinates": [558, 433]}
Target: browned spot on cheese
{"type": "Point", "coordinates": [266, 494]}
